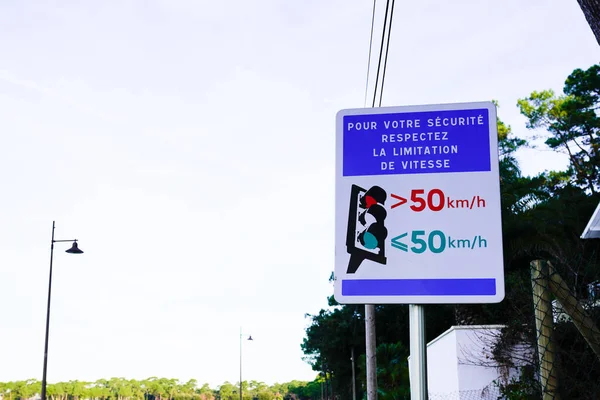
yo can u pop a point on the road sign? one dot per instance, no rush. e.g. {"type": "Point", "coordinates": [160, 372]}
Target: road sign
{"type": "Point", "coordinates": [418, 205]}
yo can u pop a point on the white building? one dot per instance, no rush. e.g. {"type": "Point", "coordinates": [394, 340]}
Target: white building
{"type": "Point", "coordinates": [460, 365]}
{"type": "Point", "coordinates": [592, 230]}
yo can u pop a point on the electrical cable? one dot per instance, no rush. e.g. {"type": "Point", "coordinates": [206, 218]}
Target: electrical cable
{"type": "Point", "coordinates": [387, 5]}
{"type": "Point", "coordinates": [387, 49]}
{"type": "Point", "coordinates": [370, 47]}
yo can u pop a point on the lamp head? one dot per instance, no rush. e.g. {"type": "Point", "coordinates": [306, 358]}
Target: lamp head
{"type": "Point", "coordinates": [74, 249]}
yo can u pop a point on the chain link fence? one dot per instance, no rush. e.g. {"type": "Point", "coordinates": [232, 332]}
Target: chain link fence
{"type": "Point", "coordinates": [549, 347]}
{"type": "Point", "coordinates": [565, 364]}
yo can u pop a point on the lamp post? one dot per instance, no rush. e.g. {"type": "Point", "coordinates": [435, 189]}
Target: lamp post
{"type": "Point", "coordinates": [249, 338]}
{"type": "Point", "coordinates": [73, 250]}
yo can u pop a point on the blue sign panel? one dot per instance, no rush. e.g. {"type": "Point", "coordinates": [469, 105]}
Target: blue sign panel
{"type": "Point", "coordinates": [416, 142]}
{"type": "Point", "coordinates": [419, 287]}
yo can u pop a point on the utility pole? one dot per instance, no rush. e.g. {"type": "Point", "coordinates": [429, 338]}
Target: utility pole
{"type": "Point", "coordinates": [249, 338]}
{"type": "Point", "coordinates": [322, 398]}
{"type": "Point", "coordinates": [241, 396]}
{"type": "Point", "coordinates": [371, 352]}
{"type": "Point", "coordinates": [353, 374]}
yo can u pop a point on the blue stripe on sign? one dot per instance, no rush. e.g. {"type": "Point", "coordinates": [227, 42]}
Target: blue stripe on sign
{"type": "Point", "coordinates": [419, 287]}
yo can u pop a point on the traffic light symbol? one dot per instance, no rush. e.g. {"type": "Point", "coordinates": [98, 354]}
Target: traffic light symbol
{"type": "Point", "coordinates": [372, 218]}
{"type": "Point", "coordinates": [366, 229]}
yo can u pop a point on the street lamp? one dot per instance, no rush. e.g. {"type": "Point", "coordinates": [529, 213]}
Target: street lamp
{"type": "Point", "coordinates": [249, 338]}
{"type": "Point", "coordinates": [73, 250]}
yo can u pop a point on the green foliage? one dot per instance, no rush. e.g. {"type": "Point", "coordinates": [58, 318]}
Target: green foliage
{"type": "Point", "coordinates": [508, 144]}
{"type": "Point", "coordinates": [158, 389]}
{"type": "Point", "coordinates": [525, 387]}
{"type": "Point", "coordinates": [543, 217]}
{"type": "Point", "coordinates": [392, 371]}
{"type": "Point", "coordinates": [329, 342]}
{"type": "Point", "coordinates": [20, 390]}
{"type": "Point", "coordinates": [571, 124]}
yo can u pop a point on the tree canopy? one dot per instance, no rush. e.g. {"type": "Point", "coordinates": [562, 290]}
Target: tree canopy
{"type": "Point", "coordinates": [159, 389]}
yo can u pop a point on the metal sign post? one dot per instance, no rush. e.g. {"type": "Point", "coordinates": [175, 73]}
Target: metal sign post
{"type": "Point", "coordinates": [418, 353]}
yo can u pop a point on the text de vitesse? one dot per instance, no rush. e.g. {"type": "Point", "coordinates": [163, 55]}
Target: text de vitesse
{"type": "Point", "coordinates": [443, 163]}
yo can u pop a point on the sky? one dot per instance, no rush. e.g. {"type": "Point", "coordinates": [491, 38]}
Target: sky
{"type": "Point", "coordinates": [189, 147]}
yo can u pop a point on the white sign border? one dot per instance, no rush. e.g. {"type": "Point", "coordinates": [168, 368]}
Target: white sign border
{"type": "Point", "coordinates": [494, 164]}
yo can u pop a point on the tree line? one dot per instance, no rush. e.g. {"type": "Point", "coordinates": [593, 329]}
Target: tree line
{"type": "Point", "coordinates": [159, 389]}
{"type": "Point", "coordinates": [543, 217]}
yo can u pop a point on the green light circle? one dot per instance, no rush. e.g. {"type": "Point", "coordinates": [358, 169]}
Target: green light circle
{"type": "Point", "coordinates": [370, 241]}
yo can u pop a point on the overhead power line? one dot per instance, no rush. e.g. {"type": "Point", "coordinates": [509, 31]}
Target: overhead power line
{"type": "Point", "coordinates": [370, 47]}
{"type": "Point", "coordinates": [387, 48]}
{"type": "Point", "coordinates": [383, 52]}
{"type": "Point", "coordinates": [383, 35]}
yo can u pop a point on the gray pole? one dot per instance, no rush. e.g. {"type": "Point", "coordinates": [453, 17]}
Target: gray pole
{"type": "Point", "coordinates": [43, 395]}
{"type": "Point", "coordinates": [322, 398]}
{"type": "Point", "coordinates": [418, 353]}
{"type": "Point", "coordinates": [73, 250]}
{"type": "Point", "coordinates": [371, 352]}
{"type": "Point", "coordinates": [353, 374]}
{"type": "Point", "coordinates": [241, 363]}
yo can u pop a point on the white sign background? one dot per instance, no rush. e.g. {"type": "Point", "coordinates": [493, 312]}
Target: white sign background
{"type": "Point", "coordinates": [452, 263]}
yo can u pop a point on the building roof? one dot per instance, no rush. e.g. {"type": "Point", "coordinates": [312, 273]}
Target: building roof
{"type": "Point", "coordinates": [592, 230]}
{"type": "Point", "coordinates": [464, 327]}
